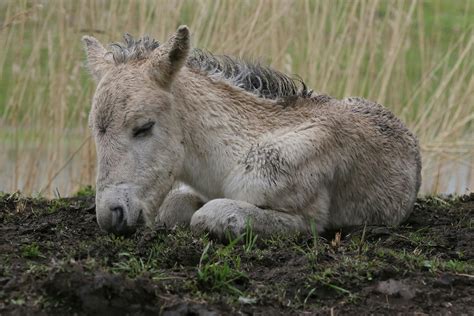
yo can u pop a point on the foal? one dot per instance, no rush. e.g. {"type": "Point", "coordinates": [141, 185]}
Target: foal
{"type": "Point", "coordinates": [186, 137]}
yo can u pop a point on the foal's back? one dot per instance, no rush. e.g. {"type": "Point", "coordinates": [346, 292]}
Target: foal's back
{"type": "Point", "coordinates": [368, 158]}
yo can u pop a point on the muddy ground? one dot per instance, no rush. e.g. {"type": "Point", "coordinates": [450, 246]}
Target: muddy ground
{"type": "Point", "coordinates": [55, 260]}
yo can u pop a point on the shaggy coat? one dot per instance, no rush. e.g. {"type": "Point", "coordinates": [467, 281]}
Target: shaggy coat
{"type": "Point", "coordinates": [186, 137]}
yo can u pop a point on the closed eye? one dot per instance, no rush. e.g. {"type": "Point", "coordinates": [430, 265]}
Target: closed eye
{"type": "Point", "coordinates": [143, 130]}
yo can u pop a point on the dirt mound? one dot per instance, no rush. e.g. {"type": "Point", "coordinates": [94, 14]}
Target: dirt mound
{"type": "Point", "coordinates": [55, 260]}
{"type": "Point", "coordinates": [102, 293]}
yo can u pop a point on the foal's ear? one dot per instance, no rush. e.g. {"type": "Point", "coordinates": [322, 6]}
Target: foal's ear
{"type": "Point", "coordinates": [169, 58]}
{"type": "Point", "coordinates": [96, 62]}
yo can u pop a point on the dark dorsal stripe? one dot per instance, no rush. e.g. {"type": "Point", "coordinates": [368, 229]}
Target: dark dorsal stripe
{"type": "Point", "coordinates": [255, 78]}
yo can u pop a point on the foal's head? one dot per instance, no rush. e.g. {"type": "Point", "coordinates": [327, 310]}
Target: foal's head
{"type": "Point", "coordinates": [135, 127]}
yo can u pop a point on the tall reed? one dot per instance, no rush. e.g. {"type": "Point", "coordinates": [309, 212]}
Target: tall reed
{"type": "Point", "coordinates": [415, 57]}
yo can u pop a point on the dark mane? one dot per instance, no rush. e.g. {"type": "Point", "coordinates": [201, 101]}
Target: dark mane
{"type": "Point", "coordinates": [258, 79]}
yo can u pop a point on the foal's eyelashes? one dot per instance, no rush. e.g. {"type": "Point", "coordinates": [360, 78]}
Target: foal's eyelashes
{"type": "Point", "coordinates": [143, 130]}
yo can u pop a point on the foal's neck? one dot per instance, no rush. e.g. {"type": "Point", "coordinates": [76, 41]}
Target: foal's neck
{"type": "Point", "coordinates": [208, 99]}
{"type": "Point", "coordinates": [219, 123]}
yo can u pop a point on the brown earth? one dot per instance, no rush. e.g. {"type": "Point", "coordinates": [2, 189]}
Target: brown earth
{"type": "Point", "coordinates": [55, 260]}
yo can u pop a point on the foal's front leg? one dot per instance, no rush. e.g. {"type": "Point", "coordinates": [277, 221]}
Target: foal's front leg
{"type": "Point", "coordinates": [222, 216]}
{"type": "Point", "coordinates": [179, 206]}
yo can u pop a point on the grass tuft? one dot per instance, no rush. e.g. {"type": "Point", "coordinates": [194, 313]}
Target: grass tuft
{"type": "Point", "coordinates": [220, 271]}
{"type": "Point", "coordinates": [31, 251]}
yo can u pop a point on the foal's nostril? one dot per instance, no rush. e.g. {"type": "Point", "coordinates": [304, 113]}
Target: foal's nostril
{"type": "Point", "coordinates": [117, 216]}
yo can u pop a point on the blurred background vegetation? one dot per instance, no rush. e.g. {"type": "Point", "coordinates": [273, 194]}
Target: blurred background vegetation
{"type": "Point", "coordinates": [415, 57]}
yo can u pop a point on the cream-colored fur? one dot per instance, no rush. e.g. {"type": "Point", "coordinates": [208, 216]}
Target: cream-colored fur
{"type": "Point", "coordinates": [279, 163]}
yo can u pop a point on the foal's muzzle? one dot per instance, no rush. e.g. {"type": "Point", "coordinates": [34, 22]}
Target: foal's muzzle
{"type": "Point", "coordinates": [116, 212]}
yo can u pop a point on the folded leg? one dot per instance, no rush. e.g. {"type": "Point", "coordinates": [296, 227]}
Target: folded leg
{"type": "Point", "coordinates": [179, 206]}
{"type": "Point", "coordinates": [222, 216]}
